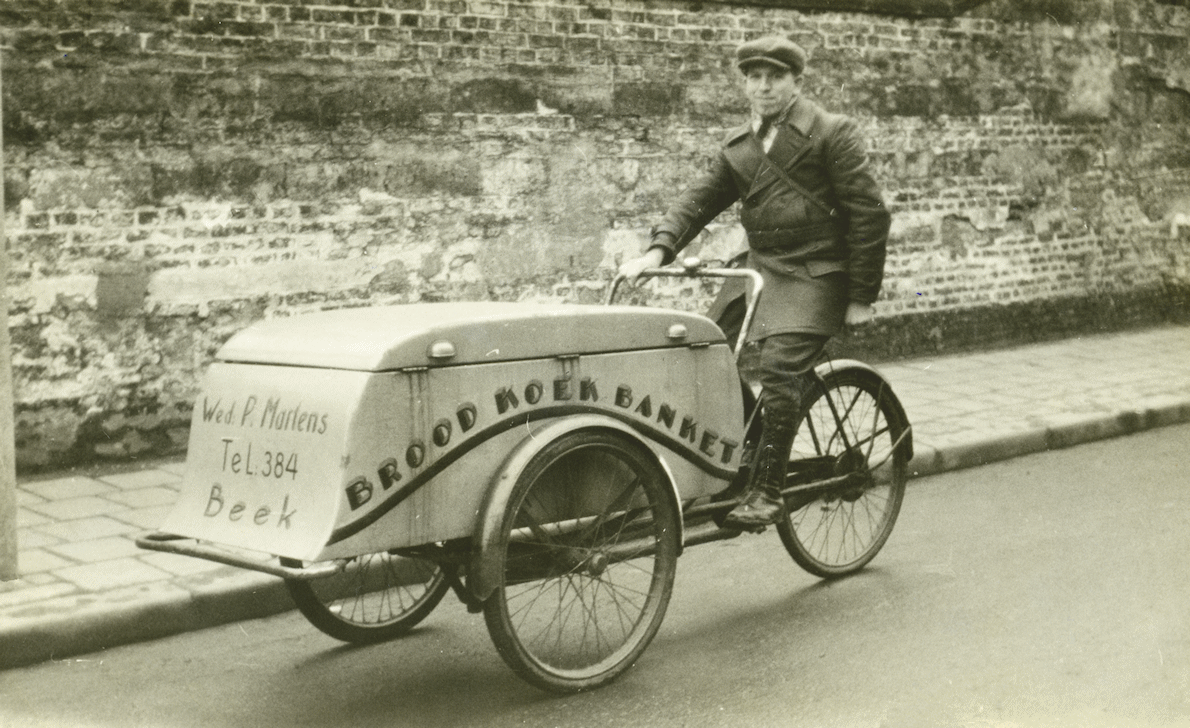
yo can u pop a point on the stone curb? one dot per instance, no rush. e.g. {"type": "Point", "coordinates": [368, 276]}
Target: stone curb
{"type": "Point", "coordinates": [88, 624]}
{"type": "Point", "coordinates": [932, 461]}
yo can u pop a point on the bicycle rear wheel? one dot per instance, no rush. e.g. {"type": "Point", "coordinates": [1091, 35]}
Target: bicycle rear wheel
{"type": "Point", "coordinates": [851, 427]}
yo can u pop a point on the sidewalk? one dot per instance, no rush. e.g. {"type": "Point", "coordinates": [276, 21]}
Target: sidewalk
{"type": "Point", "coordinates": [86, 586]}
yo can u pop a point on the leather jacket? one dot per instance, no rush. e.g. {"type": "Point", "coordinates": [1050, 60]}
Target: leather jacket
{"type": "Point", "coordinates": [845, 229]}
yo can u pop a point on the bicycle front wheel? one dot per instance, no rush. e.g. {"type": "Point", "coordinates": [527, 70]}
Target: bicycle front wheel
{"type": "Point", "coordinates": [851, 427]}
{"type": "Point", "coordinates": [587, 553]}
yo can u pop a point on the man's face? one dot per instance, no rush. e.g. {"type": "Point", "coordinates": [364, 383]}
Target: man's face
{"type": "Point", "coordinates": [770, 88]}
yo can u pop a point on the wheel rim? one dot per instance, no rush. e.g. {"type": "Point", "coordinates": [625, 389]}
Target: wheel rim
{"type": "Point", "coordinates": [588, 565]}
{"type": "Point", "coordinates": [842, 531]}
{"type": "Point", "coordinates": [376, 590]}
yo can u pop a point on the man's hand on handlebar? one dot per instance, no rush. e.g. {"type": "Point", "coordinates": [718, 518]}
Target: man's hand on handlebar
{"type": "Point", "coordinates": [859, 314]}
{"type": "Point", "coordinates": [632, 269]}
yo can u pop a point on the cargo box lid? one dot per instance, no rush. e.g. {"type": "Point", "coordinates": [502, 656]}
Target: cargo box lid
{"type": "Point", "coordinates": [449, 334]}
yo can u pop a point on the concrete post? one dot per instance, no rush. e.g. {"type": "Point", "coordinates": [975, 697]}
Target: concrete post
{"type": "Point", "coordinates": [8, 478]}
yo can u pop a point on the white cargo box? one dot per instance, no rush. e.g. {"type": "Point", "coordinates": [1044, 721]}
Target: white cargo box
{"type": "Point", "coordinates": [361, 430]}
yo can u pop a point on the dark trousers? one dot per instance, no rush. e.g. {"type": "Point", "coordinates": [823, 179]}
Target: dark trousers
{"type": "Point", "coordinates": [780, 363]}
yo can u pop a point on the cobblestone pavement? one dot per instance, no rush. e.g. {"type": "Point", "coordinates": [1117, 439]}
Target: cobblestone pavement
{"type": "Point", "coordinates": [85, 585]}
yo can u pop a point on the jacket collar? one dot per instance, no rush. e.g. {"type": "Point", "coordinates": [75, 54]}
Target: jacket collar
{"type": "Point", "coordinates": [738, 133]}
{"type": "Point", "coordinates": [800, 115]}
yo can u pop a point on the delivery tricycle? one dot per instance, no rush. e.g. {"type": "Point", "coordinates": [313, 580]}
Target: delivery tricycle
{"type": "Point", "coordinates": [547, 463]}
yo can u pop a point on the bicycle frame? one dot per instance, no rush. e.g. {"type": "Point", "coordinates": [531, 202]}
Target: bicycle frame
{"type": "Point", "coordinates": [692, 268]}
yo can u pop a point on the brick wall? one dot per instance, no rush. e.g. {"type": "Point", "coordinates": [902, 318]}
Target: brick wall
{"type": "Point", "coordinates": [176, 170]}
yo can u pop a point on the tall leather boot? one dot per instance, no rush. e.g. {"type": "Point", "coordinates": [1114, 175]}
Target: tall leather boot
{"type": "Point", "coordinates": [762, 504]}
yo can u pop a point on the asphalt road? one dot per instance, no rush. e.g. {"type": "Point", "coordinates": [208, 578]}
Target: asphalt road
{"type": "Point", "coordinates": [1051, 590]}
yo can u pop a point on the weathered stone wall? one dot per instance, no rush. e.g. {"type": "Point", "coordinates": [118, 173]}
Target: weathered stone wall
{"type": "Point", "coordinates": [176, 170]}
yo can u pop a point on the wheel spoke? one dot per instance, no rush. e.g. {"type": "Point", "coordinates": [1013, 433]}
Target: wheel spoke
{"type": "Point", "coordinates": [813, 430]}
{"type": "Point", "coordinates": [619, 503]}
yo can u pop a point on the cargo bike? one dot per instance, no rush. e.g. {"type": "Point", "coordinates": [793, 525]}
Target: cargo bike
{"type": "Point", "coordinates": [546, 463]}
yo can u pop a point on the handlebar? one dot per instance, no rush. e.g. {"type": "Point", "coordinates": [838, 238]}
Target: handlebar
{"type": "Point", "coordinates": [693, 268]}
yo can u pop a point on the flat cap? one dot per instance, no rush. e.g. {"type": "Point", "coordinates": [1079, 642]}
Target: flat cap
{"type": "Point", "coordinates": [773, 50]}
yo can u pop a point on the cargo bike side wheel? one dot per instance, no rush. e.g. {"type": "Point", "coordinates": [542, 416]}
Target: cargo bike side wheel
{"type": "Point", "coordinates": [586, 554]}
{"type": "Point", "coordinates": [853, 430]}
{"type": "Point", "coordinates": [377, 597]}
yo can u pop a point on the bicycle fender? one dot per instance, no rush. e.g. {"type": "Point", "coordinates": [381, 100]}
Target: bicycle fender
{"type": "Point", "coordinates": [837, 366]}
{"type": "Point", "coordinates": [483, 575]}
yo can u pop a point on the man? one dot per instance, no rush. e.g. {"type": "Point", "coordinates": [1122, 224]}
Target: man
{"type": "Point", "coordinates": [817, 229]}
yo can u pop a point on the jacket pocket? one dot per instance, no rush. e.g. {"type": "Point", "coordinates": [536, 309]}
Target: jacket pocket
{"type": "Point", "coordinates": [818, 268]}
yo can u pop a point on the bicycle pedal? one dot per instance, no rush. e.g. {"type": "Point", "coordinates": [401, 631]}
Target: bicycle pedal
{"type": "Point", "coordinates": [744, 529]}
